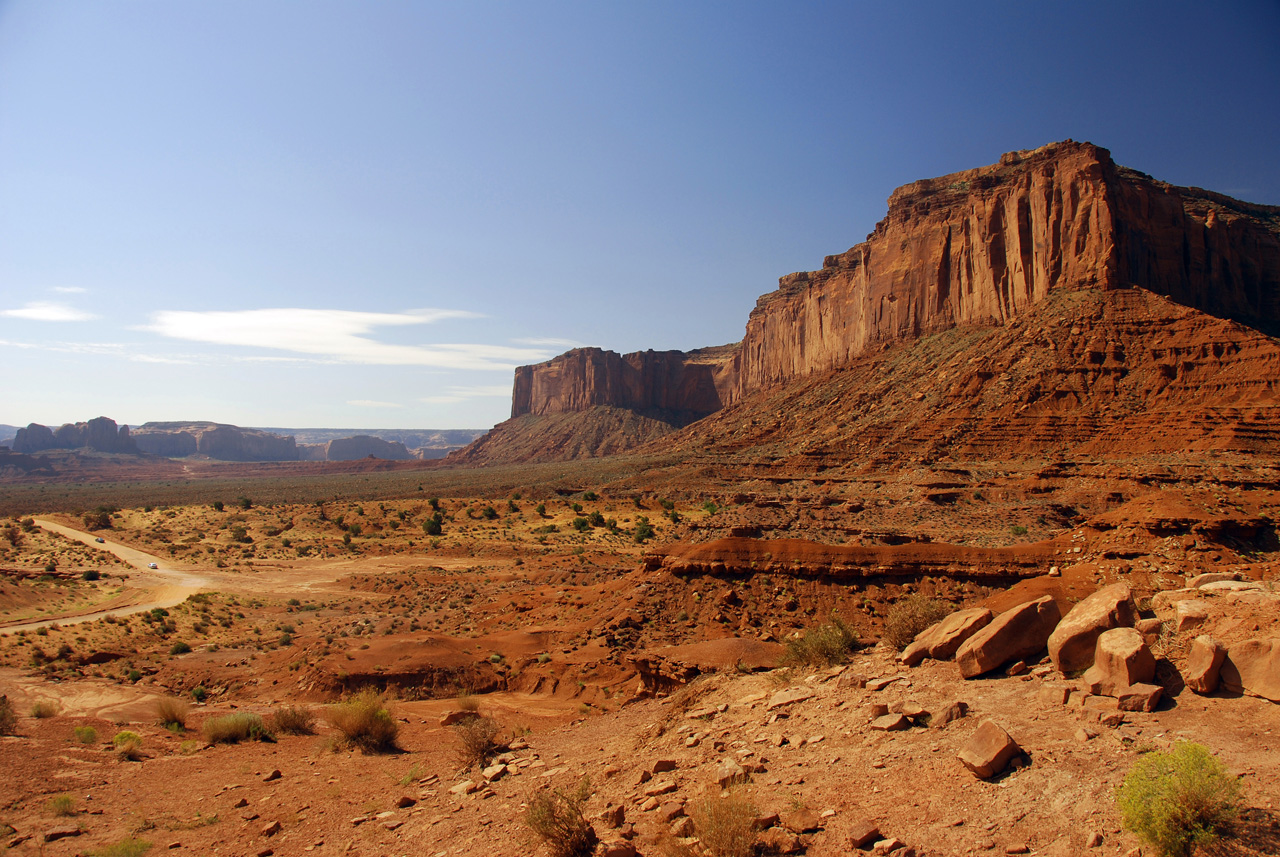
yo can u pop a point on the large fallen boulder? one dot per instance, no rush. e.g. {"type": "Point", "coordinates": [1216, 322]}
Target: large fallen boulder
{"type": "Point", "coordinates": [988, 750]}
{"type": "Point", "coordinates": [1253, 667]}
{"type": "Point", "coordinates": [1121, 659]}
{"type": "Point", "coordinates": [1201, 671]}
{"type": "Point", "coordinates": [941, 639]}
{"type": "Point", "coordinates": [1015, 634]}
{"type": "Point", "coordinates": [1072, 643]}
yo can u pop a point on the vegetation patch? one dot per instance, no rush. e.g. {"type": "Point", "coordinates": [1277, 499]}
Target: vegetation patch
{"type": "Point", "coordinates": [1179, 800]}
{"type": "Point", "coordinates": [365, 723]}
{"type": "Point", "coordinates": [556, 817]}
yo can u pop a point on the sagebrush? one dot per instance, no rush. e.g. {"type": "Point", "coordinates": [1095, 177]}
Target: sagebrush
{"type": "Point", "coordinates": [365, 723]}
{"type": "Point", "coordinates": [8, 717]}
{"type": "Point", "coordinates": [1178, 800]}
{"type": "Point", "coordinates": [172, 712]}
{"type": "Point", "coordinates": [234, 728]}
{"type": "Point", "coordinates": [293, 720]}
{"type": "Point", "coordinates": [826, 645]}
{"type": "Point", "coordinates": [557, 817]}
{"type": "Point", "coordinates": [909, 617]}
{"type": "Point", "coordinates": [726, 824]}
{"type": "Point", "coordinates": [477, 740]}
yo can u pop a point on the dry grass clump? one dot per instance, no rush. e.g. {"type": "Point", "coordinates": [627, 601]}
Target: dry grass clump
{"type": "Point", "coordinates": [365, 723]}
{"type": "Point", "coordinates": [558, 820]}
{"type": "Point", "coordinates": [44, 709]}
{"type": "Point", "coordinates": [826, 645]}
{"type": "Point", "coordinates": [294, 720]}
{"type": "Point", "coordinates": [172, 712]}
{"type": "Point", "coordinates": [62, 805]}
{"type": "Point", "coordinates": [85, 734]}
{"type": "Point", "coordinates": [909, 617]}
{"type": "Point", "coordinates": [8, 717]}
{"type": "Point", "coordinates": [128, 745]}
{"type": "Point", "coordinates": [234, 728]}
{"type": "Point", "coordinates": [726, 824]}
{"type": "Point", "coordinates": [477, 740]}
{"type": "Point", "coordinates": [466, 701]}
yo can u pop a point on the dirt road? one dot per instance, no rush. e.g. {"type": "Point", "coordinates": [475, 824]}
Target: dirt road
{"type": "Point", "coordinates": [149, 587]}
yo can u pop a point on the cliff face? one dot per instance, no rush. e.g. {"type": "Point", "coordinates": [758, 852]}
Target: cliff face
{"type": "Point", "coordinates": [99, 434]}
{"type": "Point", "coordinates": [224, 442]}
{"type": "Point", "coordinates": [981, 246]}
{"type": "Point", "coordinates": [974, 247]}
{"type": "Point", "coordinates": [680, 386]}
{"type": "Point", "coordinates": [364, 446]}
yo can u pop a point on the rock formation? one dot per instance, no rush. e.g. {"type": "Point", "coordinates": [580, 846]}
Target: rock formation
{"type": "Point", "coordinates": [981, 247]}
{"type": "Point", "coordinates": [365, 446]}
{"type": "Point", "coordinates": [100, 434]}
{"type": "Point", "coordinates": [216, 440]}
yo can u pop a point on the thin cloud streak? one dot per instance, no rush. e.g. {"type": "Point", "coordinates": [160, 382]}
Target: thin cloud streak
{"type": "Point", "coordinates": [461, 394]}
{"type": "Point", "coordinates": [339, 336]}
{"type": "Point", "coordinates": [47, 311]}
{"type": "Point", "coordinates": [370, 403]}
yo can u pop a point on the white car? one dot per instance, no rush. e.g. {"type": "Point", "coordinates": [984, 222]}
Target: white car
{"type": "Point", "coordinates": [152, 565]}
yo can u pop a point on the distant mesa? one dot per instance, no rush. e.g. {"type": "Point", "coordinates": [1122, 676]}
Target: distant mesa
{"type": "Point", "coordinates": [100, 435]}
{"type": "Point", "coordinates": [224, 442]}
{"type": "Point", "coordinates": [983, 249]}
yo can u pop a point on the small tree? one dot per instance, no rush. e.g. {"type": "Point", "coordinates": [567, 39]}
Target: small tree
{"type": "Point", "coordinates": [1178, 800]}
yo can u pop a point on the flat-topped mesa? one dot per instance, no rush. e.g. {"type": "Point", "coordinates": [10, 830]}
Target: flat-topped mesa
{"type": "Point", "coordinates": [980, 246]}
{"type": "Point", "coordinates": [681, 386]}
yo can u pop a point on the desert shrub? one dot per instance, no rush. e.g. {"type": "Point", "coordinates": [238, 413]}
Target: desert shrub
{"type": "Point", "coordinates": [233, 728]}
{"type": "Point", "coordinates": [726, 825]}
{"type": "Point", "coordinates": [128, 847]}
{"type": "Point", "coordinates": [825, 645]}
{"type": "Point", "coordinates": [1178, 800]}
{"type": "Point", "coordinates": [581, 524]}
{"type": "Point", "coordinates": [86, 734]}
{"type": "Point", "coordinates": [128, 745]}
{"type": "Point", "coordinates": [180, 648]}
{"type": "Point", "coordinates": [62, 805]}
{"type": "Point", "coordinates": [365, 723]}
{"type": "Point", "coordinates": [294, 720]}
{"type": "Point", "coordinates": [90, 574]}
{"type": "Point", "coordinates": [172, 712]}
{"type": "Point", "coordinates": [909, 617]}
{"type": "Point", "coordinates": [466, 701]}
{"type": "Point", "coordinates": [8, 718]}
{"type": "Point", "coordinates": [557, 818]}
{"type": "Point", "coordinates": [477, 740]}
{"type": "Point", "coordinates": [44, 708]}
{"type": "Point", "coordinates": [644, 529]}
{"type": "Point", "coordinates": [198, 693]}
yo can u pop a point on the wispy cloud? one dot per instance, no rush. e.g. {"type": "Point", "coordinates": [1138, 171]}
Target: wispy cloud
{"type": "Point", "coordinates": [339, 336]}
{"type": "Point", "coordinates": [460, 394]}
{"type": "Point", "coordinates": [70, 290]}
{"type": "Point", "coordinates": [47, 311]}
{"type": "Point", "coordinates": [370, 403]}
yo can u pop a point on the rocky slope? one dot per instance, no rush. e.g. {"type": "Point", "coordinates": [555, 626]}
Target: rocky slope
{"type": "Point", "coordinates": [979, 248]}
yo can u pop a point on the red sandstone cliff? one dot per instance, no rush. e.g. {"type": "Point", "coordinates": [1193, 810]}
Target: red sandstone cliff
{"type": "Point", "coordinates": [979, 247]}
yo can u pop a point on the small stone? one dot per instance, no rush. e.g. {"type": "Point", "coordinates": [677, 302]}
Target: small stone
{"type": "Point", "coordinates": [988, 751]}
{"type": "Point", "coordinates": [64, 831]}
{"type": "Point", "coordinates": [682, 827]}
{"type": "Point", "coordinates": [1139, 697]}
{"type": "Point", "coordinates": [891, 723]}
{"type": "Point", "coordinates": [617, 848]}
{"type": "Point", "coordinates": [270, 829]}
{"type": "Point", "coordinates": [948, 714]}
{"type": "Point", "coordinates": [662, 787]}
{"type": "Point", "coordinates": [240, 803]}
{"type": "Point", "coordinates": [404, 802]}
{"type": "Point", "coordinates": [1094, 840]}
{"type": "Point", "coordinates": [663, 765]}
{"type": "Point", "coordinates": [887, 846]}
{"type": "Point", "coordinates": [1017, 849]}
{"type": "Point", "coordinates": [649, 805]}
{"type": "Point", "coordinates": [863, 833]}
{"type": "Point", "coordinates": [670, 811]}
{"type": "Point", "coordinates": [789, 696]}
{"type": "Point", "coordinates": [613, 817]}
{"type": "Point", "coordinates": [801, 821]}
{"type": "Point", "coordinates": [392, 824]}
{"type": "Point", "coordinates": [271, 777]}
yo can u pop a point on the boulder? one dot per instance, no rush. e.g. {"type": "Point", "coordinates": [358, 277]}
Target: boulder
{"type": "Point", "coordinates": [1072, 643]}
{"type": "Point", "coordinates": [863, 833]}
{"type": "Point", "coordinates": [940, 640]}
{"type": "Point", "coordinates": [988, 750]}
{"type": "Point", "coordinates": [1253, 667]}
{"type": "Point", "coordinates": [1139, 697]}
{"type": "Point", "coordinates": [1200, 673]}
{"type": "Point", "coordinates": [1120, 660]}
{"type": "Point", "coordinates": [891, 723]}
{"type": "Point", "coordinates": [1013, 635]}
{"type": "Point", "coordinates": [948, 714]}
{"type": "Point", "coordinates": [1189, 615]}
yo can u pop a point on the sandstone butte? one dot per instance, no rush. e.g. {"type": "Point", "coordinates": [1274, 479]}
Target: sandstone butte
{"type": "Point", "coordinates": [981, 247]}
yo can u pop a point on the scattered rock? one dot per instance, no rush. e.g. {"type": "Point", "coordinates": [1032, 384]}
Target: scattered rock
{"type": "Point", "coordinates": [1139, 697]}
{"type": "Point", "coordinates": [891, 723]}
{"type": "Point", "coordinates": [404, 802]}
{"type": "Point", "coordinates": [270, 829]}
{"type": "Point", "coordinates": [1072, 643]}
{"type": "Point", "coordinates": [617, 848]}
{"type": "Point", "coordinates": [801, 821]}
{"type": "Point", "coordinates": [863, 833]}
{"type": "Point", "coordinates": [272, 777]}
{"type": "Point", "coordinates": [1253, 667]}
{"type": "Point", "coordinates": [729, 772]}
{"type": "Point", "coordinates": [662, 787]}
{"type": "Point", "coordinates": [64, 831]}
{"type": "Point", "coordinates": [788, 696]}
{"type": "Point", "coordinates": [613, 817]}
{"type": "Point", "coordinates": [663, 765]}
{"type": "Point", "coordinates": [1120, 660]}
{"type": "Point", "coordinates": [1200, 673]}
{"type": "Point", "coordinates": [949, 713]}
{"type": "Point", "coordinates": [682, 826]}
{"type": "Point", "coordinates": [1189, 615]}
{"type": "Point", "coordinates": [988, 751]}
{"type": "Point", "coordinates": [1017, 633]}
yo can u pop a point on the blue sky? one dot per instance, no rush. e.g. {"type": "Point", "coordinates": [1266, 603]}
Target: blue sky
{"type": "Point", "coordinates": [356, 214]}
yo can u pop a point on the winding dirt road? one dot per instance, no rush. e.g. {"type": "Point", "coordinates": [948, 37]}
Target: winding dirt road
{"type": "Point", "coordinates": [149, 587]}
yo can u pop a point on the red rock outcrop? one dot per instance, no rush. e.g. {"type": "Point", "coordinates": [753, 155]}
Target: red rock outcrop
{"type": "Point", "coordinates": [216, 440]}
{"type": "Point", "coordinates": [979, 247]}
{"type": "Point", "coordinates": [678, 385]}
{"type": "Point", "coordinates": [100, 434]}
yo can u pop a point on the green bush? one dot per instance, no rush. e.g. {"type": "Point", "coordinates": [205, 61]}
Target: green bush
{"type": "Point", "coordinates": [557, 818]}
{"type": "Point", "coordinates": [233, 728]}
{"type": "Point", "coordinates": [180, 648]}
{"type": "Point", "coordinates": [823, 646]}
{"type": "Point", "coordinates": [128, 745]}
{"type": "Point", "coordinates": [365, 723]}
{"type": "Point", "coordinates": [1178, 800]}
{"type": "Point", "coordinates": [644, 530]}
{"type": "Point", "coordinates": [909, 617]}
{"type": "Point", "coordinates": [86, 734]}
{"type": "Point", "coordinates": [45, 709]}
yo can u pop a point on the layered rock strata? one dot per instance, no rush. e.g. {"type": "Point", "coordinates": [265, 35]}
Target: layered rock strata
{"type": "Point", "coordinates": [100, 434]}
